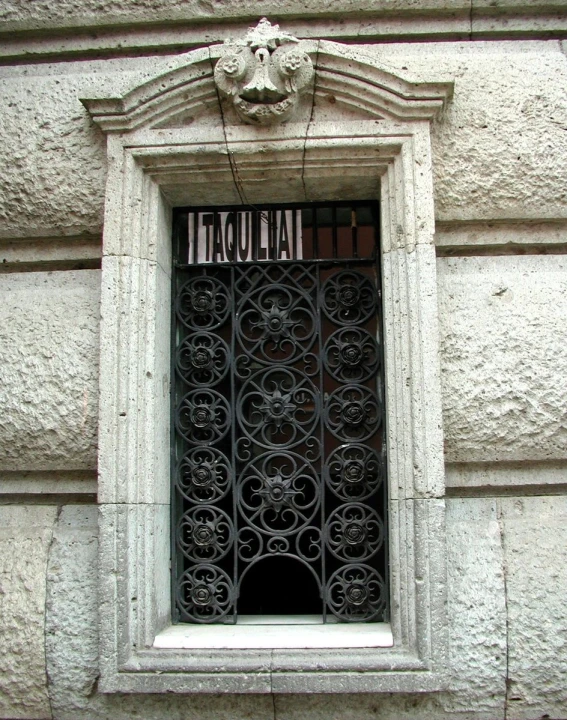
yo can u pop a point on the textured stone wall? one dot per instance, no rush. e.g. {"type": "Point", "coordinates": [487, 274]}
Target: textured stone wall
{"type": "Point", "coordinates": [507, 562]}
{"type": "Point", "coordinates": [500, 150]}
{"type": "Point", "coordinates": [49, 344]}
{"type": "Point", "coordinates": [500, 156]}
{"type": "Point", "coordinates": [504, 352]}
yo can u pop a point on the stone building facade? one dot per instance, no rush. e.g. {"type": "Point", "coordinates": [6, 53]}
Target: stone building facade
{"type": "Point", "coordinates": [454, 116]}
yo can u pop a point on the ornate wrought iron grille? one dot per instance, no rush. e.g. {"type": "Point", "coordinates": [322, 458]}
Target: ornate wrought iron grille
{"type": "Point", "coordinates": [277, 412]}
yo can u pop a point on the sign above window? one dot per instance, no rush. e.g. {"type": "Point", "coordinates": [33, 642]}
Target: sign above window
{"type": "Point", "coordinates": [318, 231]}
{"type": "Point", "coordinates": [244, 236]}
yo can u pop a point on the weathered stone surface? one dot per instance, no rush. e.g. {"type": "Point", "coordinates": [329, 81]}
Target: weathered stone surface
{"type": "Point", "coordinates": [476, 609]}
{"type": "Point", "coordinates": [535, 546]}
{"type": "Point", "coordinates": [72, 642]}
{"type": "Point", "coordinates": [25, 534]}
{"type": "Point", "coordinates": [500, 148]}
{"type": "Point", "coordinates": [53, 162]}
{"type": "Point", "coordinates": [504, 350]}
{"type": "Point", "coordinates": [17, 13]}
{"type": "Point", "coordinates": [71, 639]}
{"type": "Point", "coordinates": [357, 707]}
{"type": "Point", "coordinates": [52, 156]}
{"type": "Point", "coordinates": [49, 370]}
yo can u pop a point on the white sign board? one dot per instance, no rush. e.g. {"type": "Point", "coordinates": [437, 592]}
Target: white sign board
{"type": "Point", "coordinates": [244, 236]}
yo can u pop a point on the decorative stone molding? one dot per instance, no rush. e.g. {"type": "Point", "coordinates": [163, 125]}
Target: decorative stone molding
{"type": "Point", "coordinates": [366, 135]}
{"type": "Point", "coordinates": [264, 74]}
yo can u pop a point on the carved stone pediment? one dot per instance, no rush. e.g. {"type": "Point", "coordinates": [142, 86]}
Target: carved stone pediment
{"type": "Point", "coordinates": [344, 83]}
{"type": "Point", "coordinates": [264, 74]}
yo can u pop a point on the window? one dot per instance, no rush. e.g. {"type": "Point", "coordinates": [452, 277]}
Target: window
{"type": "Point", "coordinates": [279, 442]}
{"type": "Point", "coordinates": [371, 141]}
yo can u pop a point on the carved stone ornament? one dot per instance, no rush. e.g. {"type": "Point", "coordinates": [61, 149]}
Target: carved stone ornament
{"type": "Point", "coordinates": [264, 74]}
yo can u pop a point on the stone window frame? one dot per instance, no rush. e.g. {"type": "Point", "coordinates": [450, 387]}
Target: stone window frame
{"type": "Point", "coordinates": [363, 133]}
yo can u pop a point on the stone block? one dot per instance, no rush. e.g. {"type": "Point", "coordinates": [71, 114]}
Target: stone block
{"type": "Point", "coordinates": [500, 147]}
{"type": "Point", "coordinates": [25, 535]}
{"type": "Point", "coordinates": [49, 347]}
{"type": "Point", "coordinates": [535, 548]}
{"type": "Point", "coordinates": [503, 357]}
{"type": "Point", "coordinates": [52, 157]}
{"type": "Point", "coordinates": [52, 160]}
{"type": "Point", "coordinates": [476, 609]}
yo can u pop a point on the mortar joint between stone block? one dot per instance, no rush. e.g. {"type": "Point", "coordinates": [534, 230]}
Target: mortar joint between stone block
{"type": "Point", "coordinates": [505, 583]}
{"type": "Point", "coordinates": [47, 560]}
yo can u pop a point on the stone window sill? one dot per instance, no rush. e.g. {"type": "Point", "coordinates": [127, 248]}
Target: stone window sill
{"type": "Point", "coordinates": [253, 632]}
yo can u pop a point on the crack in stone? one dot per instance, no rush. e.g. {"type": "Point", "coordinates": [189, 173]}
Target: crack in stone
{"type": "Point", "coordinates": [315, 68]}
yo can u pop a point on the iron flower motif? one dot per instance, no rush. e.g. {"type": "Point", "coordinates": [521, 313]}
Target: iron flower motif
{"type": "Point", "coordinates": [277, 408]}
{"type": "Point", "coordinates": [275, 323]}
{"type": "Point", "coordinates": [277, 492]}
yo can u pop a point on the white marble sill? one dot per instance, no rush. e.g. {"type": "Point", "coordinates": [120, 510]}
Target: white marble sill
{"type": "Point", "coordinates": [276, 632]}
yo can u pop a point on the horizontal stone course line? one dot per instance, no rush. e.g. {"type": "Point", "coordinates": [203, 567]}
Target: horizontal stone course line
{"type": "Point", "coordinates": [510, 231]}
{"type": "Point", "coordinates": [54, 252]}
{"type": "Point", "coordinates": [49, 265]}
{"type": "Point", "coordinates": [503, 249]}
{"type": "Point", "coordinates": [24, 44]}
{"type": "Point", "coordinates": [32, 483]}
{"type": "Point", "coordinates": [516, 491]}
{"type": "Point", "coordinates": [506, 478]}
{"type": "Point", "coordinates": [452, 238]}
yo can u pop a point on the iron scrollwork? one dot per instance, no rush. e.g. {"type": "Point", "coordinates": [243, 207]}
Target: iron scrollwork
{"type": "Point", "coordinates": [277, 324]}
{"type": "Point", "coordinates": [204, 475]}
{"type": "Point", "coordinates": [353, 413]}
{"type": "Point", "coordinates": [356, 592]}
{"type": "Point", "coordinates": [279, 428]}
{"type": "Point", "coordinates": [354, 532]}
{"type": "Point", "coordinates": [205, 593]}
{"type": "Point", "coordinates": [278, 493]}
{"type": "Point", "coordinates": [203, 303]}
{"type": "Point", "coordinates": [353, 472]}
{"type": "Point", "coordinates": [349, 298]}
{"type": "Point", "coordinates": [203, 417]}
{"type": "Point", "coordinates": [202, 359]}
{"type": "Point", "coordinates": [351, 355]}
{"type": "Point", "coordinates": [278, 407]}
{"type": "Point", "coordinates": [205, 534]}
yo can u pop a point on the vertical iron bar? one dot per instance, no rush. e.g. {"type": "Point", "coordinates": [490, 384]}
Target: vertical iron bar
{"type": "Point", "coordinates": [354, 232]}
{"type": "Point", "coordinates": [382, 380]}
{"type": "Point", "coordinates": [274, 235]}
{"type": "Point", "coordinates": [174, 561]}
{"type": "Point", "coordinates": [317, 269]}
{"type": "Point", "coordinates": [334, 221]}
{"type": "Point", "coordinates": [195, 237]}
{"type": "Point", "coordinates": [236, 584]}
{"type": "Point", "coordinates": [255, 234]}
{"type": "Point", "coordinates": [294, 232]}
{"type": "Point", "coordinates": [315, 235]}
